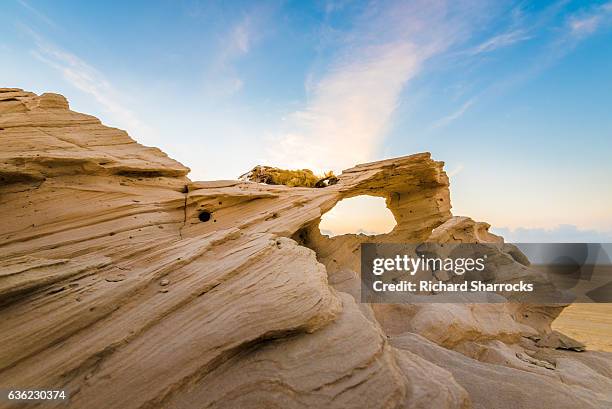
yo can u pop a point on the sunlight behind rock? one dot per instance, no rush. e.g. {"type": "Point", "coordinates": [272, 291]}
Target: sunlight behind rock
{"type": "Point", "coordinates": [361, 214]}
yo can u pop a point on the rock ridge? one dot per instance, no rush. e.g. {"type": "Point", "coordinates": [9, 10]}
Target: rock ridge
{"type": "Point", "coordinates": [132, 286]}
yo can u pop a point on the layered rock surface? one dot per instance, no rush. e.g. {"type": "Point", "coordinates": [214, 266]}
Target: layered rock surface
{"type": "Point", "coordinates": [114, 285]}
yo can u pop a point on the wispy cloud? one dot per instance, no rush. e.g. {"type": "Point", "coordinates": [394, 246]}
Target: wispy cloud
{"type": "Point", "coordinates": [576, 27]}
{"type": "Point", "coordinates": [519, 29]}
{"type": "Point", "coordinates": [87, 79]}
{"type": "Point", "coordinates": [587, 22]}
{"type": "Point", "coordinates": [454, 115]}
{"type": "Point", "coordinates": [456, 170]}
{"type": "Point", "coordinates": [37, 13]}
{"type": "Point", "coordinates": [501, 41]}
{"type": "Point", "coordinates": [584, 25]}
{"type": "Point", "coordinates": [350, 107]}
{"type": "Point", "coordinates": [235, 45]}
{"type": "Point", "coordinates": [240, 39]}
{"type": "Point", "coordinates": [569, 31]}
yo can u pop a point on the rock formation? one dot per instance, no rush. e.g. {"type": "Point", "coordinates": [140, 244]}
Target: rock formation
{"type": "Point", "coordinates": [131, 286]}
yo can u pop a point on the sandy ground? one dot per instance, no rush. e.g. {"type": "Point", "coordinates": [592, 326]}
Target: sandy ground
{"type": "Point", "coordinates": [588, 323]}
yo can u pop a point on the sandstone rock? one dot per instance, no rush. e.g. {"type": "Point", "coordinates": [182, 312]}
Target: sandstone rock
{"type": "Point", "coordinates": [336, 367]}
{"type": "Point", "coordinates": [495, 386]}
{"type": "Point", "coordinates": [52, 101]}
{"type": "Point", "coordinates": [555, 339]}
{"type": "Point", "coordinates": [533, 361]}
{"type": "Point", "coordinates": [262, 310]}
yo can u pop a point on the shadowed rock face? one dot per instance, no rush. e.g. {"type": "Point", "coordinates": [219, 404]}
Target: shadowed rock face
{"type": "Point", "coordinates": [133, 287]}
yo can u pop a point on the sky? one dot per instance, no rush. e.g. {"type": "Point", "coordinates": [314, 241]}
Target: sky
{"type": "Point", "coordinates": [514, 96]}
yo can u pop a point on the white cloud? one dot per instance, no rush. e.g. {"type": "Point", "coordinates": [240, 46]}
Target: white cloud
{"type": "Point", "coordinates": [238, 40]}
{"type": "Point", "coordinates": [456, 170]}
{"type": "Point", "coordinates": [585, 25]}
{"type": "Point", "coordinates": [500, 41]}
{"type": "Point", "coordinates": [349, 108]}
{"type": "Point", "coordinates": [454, 115]}
{"type": "Point", "coordinates": [87, 79]}
{"type": "Point", "coordinates": [37, 13]}
{"type": "Point", "coordinates": [588, 22]}
{"type": "Point", "coordinates": [236, 44]}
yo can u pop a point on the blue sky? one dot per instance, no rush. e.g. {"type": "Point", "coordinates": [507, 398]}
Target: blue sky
{"type": "Point", "coordinates": [515, 97]}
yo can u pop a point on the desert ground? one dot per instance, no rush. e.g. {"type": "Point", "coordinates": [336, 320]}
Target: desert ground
{"type": "Point", "coordinates": [588, 323]}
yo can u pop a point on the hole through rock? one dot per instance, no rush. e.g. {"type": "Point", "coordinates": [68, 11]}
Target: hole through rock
{"type": "Point", "coordinates": [204, 216]}
{"type": "Point", "coordinates": [362, 214]}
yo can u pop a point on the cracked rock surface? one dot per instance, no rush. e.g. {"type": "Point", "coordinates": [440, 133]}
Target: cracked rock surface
{"type": "Point", "coordinates": [131, 286]}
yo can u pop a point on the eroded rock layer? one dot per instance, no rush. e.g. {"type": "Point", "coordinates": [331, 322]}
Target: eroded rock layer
{"type": "Point", "coordinates": [132, 287]}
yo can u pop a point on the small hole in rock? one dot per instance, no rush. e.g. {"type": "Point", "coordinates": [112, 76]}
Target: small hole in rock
{"type": "Point", "coordinates": [204, 216]}
{"type": "Point", "coordinates": [56, 290]}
